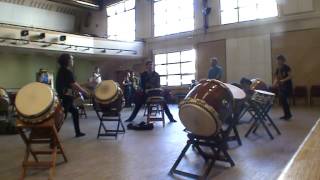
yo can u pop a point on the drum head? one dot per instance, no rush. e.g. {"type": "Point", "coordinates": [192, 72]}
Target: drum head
{"type": "Point", "coordinates": [197, 120]}
{"type": "Point", "coordinates": [106, 90]}
{"type": "Point", "coordinates": [34, 99]}
{"type": "Point", "coordinates": [265, 92]}
{"type": "Point", "coordinates": [236, 92]}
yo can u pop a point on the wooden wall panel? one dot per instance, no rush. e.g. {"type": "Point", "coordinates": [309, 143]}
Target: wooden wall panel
{"type": "Point", "coordinates": [207, 50]}
{"type": "Point", "coordinates": [249, 57]}
{"type": "Point", "coordinates": [302, 49]}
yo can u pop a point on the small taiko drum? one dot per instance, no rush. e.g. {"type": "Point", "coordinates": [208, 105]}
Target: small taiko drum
{"type": "Point", "coordinates": [108, 96]}
{"type": "Point", "coordinates": [37, 102]}
{"type": "Point", "coordinates": [263, 97]}
{"type": "Point", "coordinates": [258, 84]}
{"type": "Point", "coordinates": [206, 107]}
{"type": "Point", "coordinates": [4, 100]}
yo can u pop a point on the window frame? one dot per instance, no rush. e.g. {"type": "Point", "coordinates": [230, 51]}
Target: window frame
{"type": "Point", "coordinates": [170, 33]}
{"type": "Point", "coordinates": [238, 8]}
{"type": "Point", "coordinates": [180, 66]}
{"type": "Point", "coordinates": [116, 14]}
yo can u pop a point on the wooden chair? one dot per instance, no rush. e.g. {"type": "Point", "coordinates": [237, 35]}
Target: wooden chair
{"type": "Point", "coordinates": [300, 92]}
{"type": "Point", "coordinates": [314, 93]}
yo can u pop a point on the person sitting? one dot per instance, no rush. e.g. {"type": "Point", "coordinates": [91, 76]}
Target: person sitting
{"type": "Point", "coordinates": [148, 80]}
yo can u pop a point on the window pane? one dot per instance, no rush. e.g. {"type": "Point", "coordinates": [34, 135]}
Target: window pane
{"type": "Point", "coordinates": [173, 16]}
{"type": "Point", "coordinates": [186, 79]}
{"type": "Point", "coordinates": [174, 80]}
{"type": "Point", "coordinates": [229, 16]}
{"type": "Point", "coordinates": [161, 69]}
{"type": "Point", "coordinates": [248, 13]}
{"type": "Point", "coordinates": [267, 9]}
{"type": "Point", "coordinates": [160, 58]}
{"type": "Point", "coordinates": [163, 80]}
{"type": "Point", "coordinates": [188, 67]}
{"type": "Point", "coordinates": [174, 68]}
{"type": "Point", "coordinates": [160, 30]}
{"type": "Point", "coordinates": [245, 3]}
{"type": "Point", "coordinates": [174, 57]}
{"type": "Point", "coordinates": [129, 4]}
{"type": "Point", "coordinates": [111, 11]}
{"type": "Point", "coordinates": [160, 7]}
{"type": "Point", "coordinates": [228, 4]}
{"type": "Point", "coordinates": [121, 31]}
{"type": "Point", "coordinates": [188, 55]}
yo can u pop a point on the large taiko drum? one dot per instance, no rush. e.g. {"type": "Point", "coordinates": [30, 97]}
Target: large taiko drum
{"type": "Point", "coordinates": [108, 96]}
{"type": "Point", "coordinates": [4, 100]}
{"type": "Point", "coordinates": [206, 107]}
{"type": "Point", "coordinates": [258, 84]}
{"type": "Point", "coordinates": [37, 102]}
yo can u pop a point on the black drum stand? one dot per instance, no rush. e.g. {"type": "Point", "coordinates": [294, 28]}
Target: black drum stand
{"type": "Point", "coordinates": [259, 112]}
{"type": "Point", "coordinates": [107, 117]}
{"type": "Point", "coordinates": [217, 144]}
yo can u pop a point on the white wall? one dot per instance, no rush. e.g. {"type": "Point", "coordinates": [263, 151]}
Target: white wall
{"type": "Point", "coordinates": [34, 17]}
{"type": "Point", "coordinates": [249, 57]}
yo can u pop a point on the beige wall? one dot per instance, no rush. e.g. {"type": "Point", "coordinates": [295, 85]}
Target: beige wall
{"type": "Point", "coordinates": [302, 49]}
{"type": "Point", "coordinates": [206, 51]}
{"type": "Point", "coordinates": [19, 69]}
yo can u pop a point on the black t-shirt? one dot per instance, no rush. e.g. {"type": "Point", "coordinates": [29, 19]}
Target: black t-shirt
{"type": "Point", "coordinates": [64, 80]}
{"type": "Point", "coordinates": [281, 73]}
{"type": "Point", "coordinates": [150, 80]}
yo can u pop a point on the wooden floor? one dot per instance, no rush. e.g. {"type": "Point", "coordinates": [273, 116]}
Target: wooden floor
{"type": "Point", "coordinates": [150, 154]}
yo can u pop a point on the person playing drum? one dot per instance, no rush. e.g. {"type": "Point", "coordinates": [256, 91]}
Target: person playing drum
{"type": "Point", "coordinates": [148, 80]}
{"type": "Point", "coordinates": [65, 85]}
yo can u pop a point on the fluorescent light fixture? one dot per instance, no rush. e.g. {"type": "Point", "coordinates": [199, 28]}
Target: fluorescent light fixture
{"type": "Point", "coordinates": [86, 3]}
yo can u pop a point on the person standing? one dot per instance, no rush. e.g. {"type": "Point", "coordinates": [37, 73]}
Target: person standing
{"type": "Point", "coordinates": [283, 81]}
{"type": "Point", "coordinates": [95, 79]}
{"type": "Point", "coordinates": [65, 86]}
{"type": "Point", "coordinates": [216, 71]}
{"type": "Point", "coordinates": [149, 79]}
{"type": "Point", "coordinates": [127, 84]}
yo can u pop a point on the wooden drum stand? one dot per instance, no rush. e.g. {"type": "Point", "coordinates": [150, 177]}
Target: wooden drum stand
{"type": "Point", "coordinates": [42, 133]}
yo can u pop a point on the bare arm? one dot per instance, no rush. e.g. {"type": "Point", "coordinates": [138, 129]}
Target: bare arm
{"type": "Point", "coordinates": [76, 86]}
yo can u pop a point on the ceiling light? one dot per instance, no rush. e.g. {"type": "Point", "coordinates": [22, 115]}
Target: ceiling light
{"type": "Point", "coordinates": [86, 3]}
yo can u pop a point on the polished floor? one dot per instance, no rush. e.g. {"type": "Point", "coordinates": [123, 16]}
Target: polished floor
{"type": "Point", "coordinates": [140, 155]}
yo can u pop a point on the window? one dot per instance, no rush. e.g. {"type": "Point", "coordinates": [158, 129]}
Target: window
{"type": "Point", "coordinates": [176, 68]}
{"type": "Point", "coordinates": [245, 10]}
{"type": "Point", "coordinates": [172, 16]}
{"type": "Point", "coordinates": [121, 21]}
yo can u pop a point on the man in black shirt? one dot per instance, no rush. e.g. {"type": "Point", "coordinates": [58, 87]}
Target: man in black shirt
{"type": "Point", "coordinates": [65, 85]}
{"type": "Point", "coordinates": [149, 80]}
{"type": "Point", "coordinates": [284, 84]}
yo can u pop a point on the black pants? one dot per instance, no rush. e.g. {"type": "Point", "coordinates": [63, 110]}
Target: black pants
{"type": "Point", "coordinates": [67, 103]}
{"type": "Point", "coordinates": [142, 101]}
{"type": "Point", "coordinates": [284, 94]}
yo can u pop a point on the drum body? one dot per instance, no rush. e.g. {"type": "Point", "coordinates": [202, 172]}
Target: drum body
{"type": "Point", "coordinates": [4, 101]}
{"type": "Point", "coordinates": [263, 97]}
{"type": "Point", "coordinates": [258, 84]}
{"type": "Point", "coordinates": [205, 107]}
{"type": "Point", "coordinates": [108, 96]}
{"type": "Point", "coordinates": [37, 102]}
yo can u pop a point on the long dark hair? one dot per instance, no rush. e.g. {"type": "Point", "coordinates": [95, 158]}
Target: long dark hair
{"type": "Point", "coordinates": [64, 60]}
